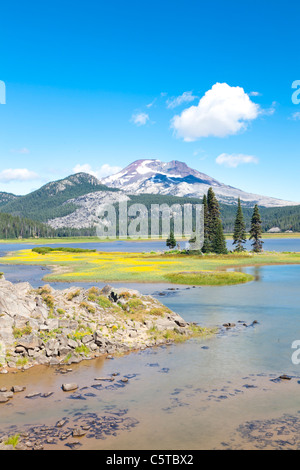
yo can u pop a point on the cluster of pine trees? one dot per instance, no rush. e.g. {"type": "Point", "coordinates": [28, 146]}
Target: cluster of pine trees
{"type": "Point", "coordinates": [239, 234]}
{"type": "Point", "coordinates": [214, 238]}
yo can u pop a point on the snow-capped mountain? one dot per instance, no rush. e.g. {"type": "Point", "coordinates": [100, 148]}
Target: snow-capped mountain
{"type": "Point", "coordinates": [177, 179]}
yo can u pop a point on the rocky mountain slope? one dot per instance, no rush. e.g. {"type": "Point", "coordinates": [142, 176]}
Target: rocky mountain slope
{"type": "Point", "coordinates": [6, 197]}
{"type": "Point", "coordinates": [85, 214]}
{"type": "Point", "coordinates": [177, 179]}
{"type": "Point", "coordinates": [52, 199]}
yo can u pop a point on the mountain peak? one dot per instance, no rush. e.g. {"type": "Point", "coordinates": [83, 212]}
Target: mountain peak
{"type": "Point", "coordinates": [176, 178]}
{"type": "Point", "coordinates": [78, 179]}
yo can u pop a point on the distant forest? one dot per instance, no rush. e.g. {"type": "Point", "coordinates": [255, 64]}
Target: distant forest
{"type": "Point", "coordinates": [13, 227]}
{"type": "Point", "coordinates": [286, 218]}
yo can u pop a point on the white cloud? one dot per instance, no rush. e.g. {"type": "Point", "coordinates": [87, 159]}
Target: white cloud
{"type": "Point", "coordinates": [18, 174]}
{"type": "Point", "coordinates": [140, 119]}
{"type": "Point", "coordinates": [222, 111]}
{"type": "Point", "coordinates": [151, 104]}
{"type": "Point", "coordinates": [186, 97]}
{"type": "Point", "coordinates": [102, 172]}
{"type": "Point", "coordinates": [254, 93]}
{"type": "Point", "coordinates": [296, 116]}
{"type": "Point", "coordinates": [234, 160]}
{"type": "Point", "coordinates": [23, 150]}
{"type": "Point", "coordinates": [269, 111]}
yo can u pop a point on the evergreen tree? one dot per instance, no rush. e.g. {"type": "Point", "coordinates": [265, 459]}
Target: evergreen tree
{"type": "Point", "coordinates": [219, 242]}
{"type": "Point", "coordinates": [213, 214]}
{"type": "Point", "coordinates": [256, 231]}
{"type": "Point", "coordinates": [239, 235]}
{"type": "Point", "coordinates": [206, 244]}
{"type": "Point", "coordinates": [171, 242]}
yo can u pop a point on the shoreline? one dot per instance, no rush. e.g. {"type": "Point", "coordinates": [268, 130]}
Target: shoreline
{"type": "Point", "coordinates": [45, 326]}
{"type": "Point", "coordinates": [95, 239]}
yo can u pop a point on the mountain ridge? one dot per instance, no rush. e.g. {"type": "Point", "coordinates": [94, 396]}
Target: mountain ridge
{"type": "Point", "coordinates": [51, 200]}
{"type": "Point", "coordinates": [178, 179]}
{"type": "Point", "coordinates": [72, 202]}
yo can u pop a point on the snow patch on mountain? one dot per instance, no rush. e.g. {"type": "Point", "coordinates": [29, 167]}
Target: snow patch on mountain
{"type": "Point", "coordinates": [178, 179]}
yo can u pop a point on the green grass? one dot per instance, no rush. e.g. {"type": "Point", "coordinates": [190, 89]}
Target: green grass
{"type": "Point", "coordinates": [103, 301]}
{"type": "Point", "coordinates": [12, 440]}
{"type": "Point", "coordinates": [46, 249]}
{"type": "Point", "coordinates": [142, 267]}
{"type": "Point", "coordinates": [22, 361]}
{"type": "Point", "coordinates": [209, 278]}
{"type": "Point", "coordinates": [194, 331]}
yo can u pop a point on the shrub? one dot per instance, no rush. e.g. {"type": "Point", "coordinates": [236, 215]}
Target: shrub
{"type": "Point", "coordinates": [125, 295]}
{"type": "Point", "coordinates": [19, 332]}
{"type": "Point", "coordinates": [88, 307]}
{"type": "Point", "coordinates": [81, 333]}
{"type": "Point", "coordinates": [104, 302]}
{"type": "Point", "coordinates": [83, 349]}
{"type": "Point", "coordinates": [135, 303]}
{"type": "Point", "coordinates": [49, 300]}
{"type": "Point", "coordinates": [73, 294]}
{"type": "Point", "coordinates": [44, 290]}
{"type": "Point", "coordinates": [158, 311]}
{"type": "Point", "coordinates": [93, 290]}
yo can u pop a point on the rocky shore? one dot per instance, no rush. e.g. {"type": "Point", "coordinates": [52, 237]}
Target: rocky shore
{"type": "Point", "coordinates": [45, 326]}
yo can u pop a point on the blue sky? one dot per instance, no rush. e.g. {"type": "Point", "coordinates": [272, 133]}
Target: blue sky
{"type": "Point", "coordinates": [97, 85]}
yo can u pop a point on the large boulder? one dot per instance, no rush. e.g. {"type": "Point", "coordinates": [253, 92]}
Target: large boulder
{"type": "Point", "coordinates": [29, 342]}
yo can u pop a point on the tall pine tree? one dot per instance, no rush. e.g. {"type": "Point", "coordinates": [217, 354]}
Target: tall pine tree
{"type": "Point", "coordinates": [239, 235]}
{"type": "Point", "coordinates": [206, 244]}
{"type": "Point", "coordinates": [256, 231]}
{"type": "Point", "coordinates": [219, 242]}
{"type": "Point", "coordinates": [215, 228]}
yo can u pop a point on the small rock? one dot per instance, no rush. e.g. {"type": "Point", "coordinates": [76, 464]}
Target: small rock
{"type": "Point", "coordinates": [78, 432]}
{"type": "Point", "coordinates": [61, 423]}
{"type": "Point", "coordinates": [69, 387]}
{"type": "Point", "coordinates": [17, 388]}
{"type": "Point", "coordinates": [33, 395]}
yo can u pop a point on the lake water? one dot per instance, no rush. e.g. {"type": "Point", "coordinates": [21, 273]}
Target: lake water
{"type": "Point", "coordinates": [203, 394]}
{"type": "Point", "coordinates": [276, 244]}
